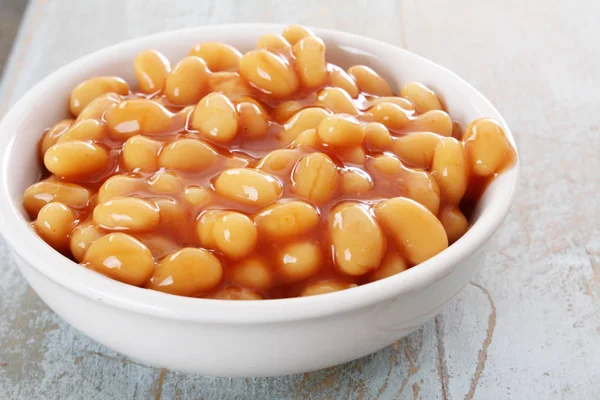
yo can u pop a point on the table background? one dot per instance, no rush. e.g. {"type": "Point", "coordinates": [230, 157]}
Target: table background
{"type": "Point", "coordinates": [528, 326]}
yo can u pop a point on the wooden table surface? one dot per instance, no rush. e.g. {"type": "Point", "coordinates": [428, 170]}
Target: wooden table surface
{"type": "Point", "coordinates": [528, 326]}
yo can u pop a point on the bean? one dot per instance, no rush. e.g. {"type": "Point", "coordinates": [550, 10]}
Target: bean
{"type": "Point", "coordinates": [358, 242]}
{"type": "Point", "coordinates": [414, 228]}
{"type": "Point", "coordinates": [151, 69]}
{"type": "Point", "coordinates": [369, 81]}
{"type": "Point", "coordinates": [391, 265]}
{"type": "Point", "coordinates": [454, 222]}
{"type": "Point", "coordinates": [417, 149]}
{"type": "Point", "coordinates": [341, 130]}
{"type": "Point", "coordinates": [76, 159]}
{"type": "Point", "coordinates": [39, 194]}
{"type": "Point", "coordinates": [127, 213]}
{"type": "Point", "coordinates": [329, 286]}
{"type": "Point", "coordinates": [253, 273]}
{"type": "Point", "coordinates": [299, 261]}
{"type": "Point", "coordinates": [248, 186]}
{"type": "Point", "coordinates": [216, 118]}
{"type": "Point", "coordinates": [188, 82]}
{"type": "Point", "coordinates": [311, 66]}
{"type": "Point", "coordinates": [450, 169]}
{"type": "Point", "coordinates": [187, 155]}
{"type": "Point", "coordinates": [187, 272]}
{"type": "Point", "coordinates": [487, 147]}
{"type": "Point", "coordinates": [421, 96]}
{"type": "Point", "coordinates": [286, 220]}
{"type": "Point", "coordinates": [54, 223]}
{"type": "Point", "coordinates": [137, 116]}
{"type": "Point", "coordinates": [269, 73]}
{"type": "Point", "coordinates": [141, 153]}
{"type": "Point", "coordinates": [88, 90]}
{"type": "Point", "coordinates": [315, 178]}
{"type": "Point", "coordinates": [121, 257]}
{"type": "Point", "coordinates": [218, 56]}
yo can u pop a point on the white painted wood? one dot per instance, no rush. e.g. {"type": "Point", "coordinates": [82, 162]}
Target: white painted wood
{"type": "Point", "coordinates": [529, 324]}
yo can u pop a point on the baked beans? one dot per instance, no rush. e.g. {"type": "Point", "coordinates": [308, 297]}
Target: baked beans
{"type": "Point", "coordinates": [262, 175]}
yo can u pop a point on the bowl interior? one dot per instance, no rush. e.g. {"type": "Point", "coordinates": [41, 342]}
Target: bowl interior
{"type": "Point", "coordinates": [47, 103]}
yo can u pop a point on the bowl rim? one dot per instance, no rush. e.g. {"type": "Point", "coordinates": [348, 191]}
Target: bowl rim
{"type": "Point", "coordinates": [25, 243]}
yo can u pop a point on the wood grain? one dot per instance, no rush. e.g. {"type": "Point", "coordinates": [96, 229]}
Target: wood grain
{"type": "Point", "coordinates": [529, 324]}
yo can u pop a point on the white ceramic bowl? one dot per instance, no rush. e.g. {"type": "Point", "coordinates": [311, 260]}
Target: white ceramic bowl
{"type": "Point", "coordinates": [229, 338]}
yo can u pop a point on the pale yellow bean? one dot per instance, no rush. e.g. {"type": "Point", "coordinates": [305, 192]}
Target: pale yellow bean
{"type": "Point", "coordinates": [487, 147]}
{"type": "Point", "coordinates": [450, 169]}
{"type": "Point", "coordinates": [248, 186]}
{"type": "Point", "coordinates": [82, 237]}
{"type": "Point", "coordinates": [165, 182]}
{"type": "Point", "coordinates": [286, 220]}
{"type": "Point", "coordinates": [311, 66]}
{"type": "Point", "coordinates": [399, 101]}
{"type": "Point", "coordinates": [417, 149]}
{"type": "Point", "coordinates": [391, 115]}
{"type": "Point", "coordinates": [421, 96]}
{"type": "Point", "coordinates": [39, 194]}
{"type": "Point", "coordinates": [54, 223]}
{"type": "Point", "coordinates": [307, 118]}
{"type": "Point", "coordinates": [294, 33]}
{"type": "Point", "coordinates": [435, 121]}
{"type": "Point", "coordinates": [216, 118]}
{"type": "Point", "coordinates": [454, 222]}
{"type": "Point", "coordinates": [128, 214]}
{"type": "Point", "coordinates": [252, 122]}
{"type": "Point", "coordinates": [137, 116]}
{"type": "Point", "coordinates": [88, 90]}
{"type": "Point", "coordinates": [414, 228]}
{"type": "Point", "coordinates": [286, 110]}
{"type": "Point", "coordinates": [308, 138]}
{"type": "Point", "coordinates": [151, 69]}
{"type": "Point", "coordinates": [230, 84]}
{"type": "Point", "coordinates": [158, 245]}
{"type": "Point", "coordinates": [86, 129]}
{"type": "Point", "coordinates": [188, 82]}
{"type": "Point", "coordinates": [237, 293]}
{"type": "Point", "coordinates": [269, 73]}
{"type": "Point", "coordinates": [235, 235]}
{"type": "Point", "coordinates": [299, 261]}
{"type": "Point", "coordinates": [325, 287]}
{"type": "Point", "coordinates": [141, 153]}
{"type": "Point", "coordinates": [97, 107]}
{"type": "Point", "coordinates": [340, 79]}
{"type": "Point", "coordinates": [356, 182]}
{"type": "Point", "coordinates": [121, 257]}
{"type": "Point", "coordinates": [205, 225]}
{"type": "Point", "coordinates": [76, 159]}
{"type": "Point", "coordinates": [341, 130]}
{"type": "Point", "coordinates": [315, 178]}
{"type": "Point", "coordinates": [196, 195]}
{"type": "Point", "coordinates": [120, 186]}
{"type": "Point", "coordinates": [357, 240]}
{"type": "Point", "coordinates": [218, 56]}
{"type": "Point", "coordinates": [337, 100]}
{"type": "Point", "coordinates": [253, 273]}
{"type": "Point", "coordinates": [187, 272]}
{"type": "Point", "coordinates": [419, 185]}
{"type": "Point", "coordinates": [391, 265]}
{"type": "Point", "coordinates": [187, 155]}
{"type": "Point", "coordinates": [369, 81]}
{"type": "Point", "coordinates": [352, 155]}
{"type": "Point", "coordinates": [52, 135]}
{"type": "Point", "coordinates": [377, 137]}
{"type": "Point", "coordinates": [279, 162]}
{"type": "Point", "coordinates": [274, 43]}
